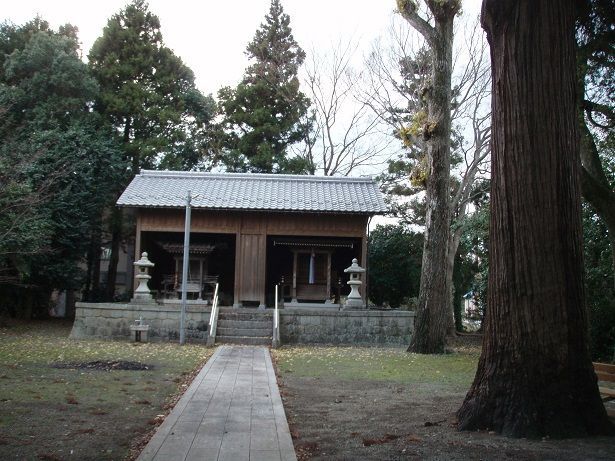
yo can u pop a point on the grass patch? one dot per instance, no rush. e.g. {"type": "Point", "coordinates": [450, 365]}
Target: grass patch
{"type": "Point", "coordinates": [51, 412]}
{"type": "Point", "coordinates": [378, 364]}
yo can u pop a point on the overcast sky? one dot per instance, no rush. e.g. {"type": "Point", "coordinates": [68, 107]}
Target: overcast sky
{"type": "Point", "coordinates": [211, 35]}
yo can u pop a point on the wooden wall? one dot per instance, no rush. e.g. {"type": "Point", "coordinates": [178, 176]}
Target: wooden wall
{"type": "Point", "coordinates": [251, 230]}
{"type": "Point", "coordinates": [304, 224]}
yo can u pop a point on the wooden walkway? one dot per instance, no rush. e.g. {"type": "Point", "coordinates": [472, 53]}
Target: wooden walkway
{"type": "Point", "coordinates": [232, 411]}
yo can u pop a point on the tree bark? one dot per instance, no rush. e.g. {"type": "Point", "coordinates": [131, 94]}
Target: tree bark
{"type": "Point", "coordinates": [96, 253]}
{"type": "Point", "coordinates": [87, 284]}
{"type": "Point", "coordinates": [431, 322]}
{"type": "Point", "coordinates": [117, 214]}
{"type": "Point", "coordinates": [70, 304]}
{"type": "Point", "coordinates": [91, 290]}
{"type": "Point", "coordinates": [535, 377]}
{"type": "Point", "coordinates": [116, 236]}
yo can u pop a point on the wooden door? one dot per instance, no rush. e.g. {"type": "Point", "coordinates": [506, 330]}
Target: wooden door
{"type": "Point", "coordinates": [252, 261]}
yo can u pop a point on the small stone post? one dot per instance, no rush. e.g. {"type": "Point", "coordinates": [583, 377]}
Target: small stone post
{"type": "Point", "coordinates": [142, 292]}
{"type": "Point", "coordinates": [140, 331]}
{"type": "Point", "coordinates": [354, 300]}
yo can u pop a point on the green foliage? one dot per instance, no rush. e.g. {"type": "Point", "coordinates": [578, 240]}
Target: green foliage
{"type": "Point", "coordinates": [596, 70]}
{"type": "Point", "coordinates": [464, 272]}
{"type": "Point", "coordinates": [16, 37]}
{"type": "Point", "coordinates": [419, 120]}
{"type": "Point", "coordinates": [595, 42]}
{"type": "Point", "coordinates": [400, 193]}
{"type": "Point", "coordinates": [406, 174]}
{"type": "Point", "coordinates": [420, 172]}
{"type": "Point", "coordinates": [474, 253]}
{"type": "Point", "coordinates": [395, 254]}
{"type": "Point", "coordinates": [149, 94]}
{"type": "Point", "coordinates": [56, 160]}
{"type": "Point", "coordinates": [265, 113]}
{"type": "Point", "coordinates": [23, 232]}
{"type": "Point", "coordinates": [600, 291]}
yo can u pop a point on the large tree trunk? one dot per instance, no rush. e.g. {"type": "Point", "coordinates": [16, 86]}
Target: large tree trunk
{"type": "Point", "coordinates": [431, 323]}
{"type": "Point", "coordinates": [116, 219]}
{"type": "Point", "coordinates": [87, 284]}
{"type": "Point", "coordinates": [117, 214]}
{"type": "Point", "coordinates": [535, 376]}
{"type": "Point", "coordinates": [91, 291]}
{"type": "Point", "coordinates": [96, 253]}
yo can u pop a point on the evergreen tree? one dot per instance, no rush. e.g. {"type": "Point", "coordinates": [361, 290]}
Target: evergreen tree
{"type": "Point", "coordinates": [266, 112]}
{"type": "Point", "coordinates": [149, 95]}
{"type": "Point", "coordinates": [57, 159]}
{"type": "Point", "coordinates": [435, 125]}
{"type": "Point", "coordinates": [148, 92]}
{"type": "Point", "coordinates": [535, 376]}
{"type": "Point", "coordinates": [394, 264]}
{"type": "Point", "coordinates": [595, 37]}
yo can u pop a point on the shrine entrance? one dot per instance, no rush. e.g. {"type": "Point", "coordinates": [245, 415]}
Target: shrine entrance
{"type": "Point", "coordinates": [212, 260]}
{"type": "Point", "coordinates": [309, 270]}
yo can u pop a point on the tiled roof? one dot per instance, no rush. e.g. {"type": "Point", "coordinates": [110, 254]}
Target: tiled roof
{"type": "Point", "coordinates": [251, 191]}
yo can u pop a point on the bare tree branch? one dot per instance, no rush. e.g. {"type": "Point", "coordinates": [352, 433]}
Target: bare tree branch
{"type": "Point", "coordinates": [409, 11]}
{"type": "Point", "coordinates": [346, 133]}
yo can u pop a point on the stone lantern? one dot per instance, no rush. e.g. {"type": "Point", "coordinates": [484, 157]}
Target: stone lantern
{"type": "Point", "coordinates": [142, 292]}
{"type": "Point", "coordinates": [354, 300]}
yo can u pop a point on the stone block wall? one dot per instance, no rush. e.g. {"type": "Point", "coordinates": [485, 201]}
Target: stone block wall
{"type": "Point", "coordinates": [375, 327]}
{"type": "Point", "coordinates": [297, 325]}
{"type": "Point", "coordinates": [113, 320]}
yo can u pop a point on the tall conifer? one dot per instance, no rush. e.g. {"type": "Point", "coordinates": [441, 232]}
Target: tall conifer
{"type": "Point", "coordinates": [149, 95]}
{"type": "Point", "coordinates": [266, 112]}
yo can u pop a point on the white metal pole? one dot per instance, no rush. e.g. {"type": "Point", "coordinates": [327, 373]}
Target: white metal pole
{"type": "Point", "coordinates": [182, 317]}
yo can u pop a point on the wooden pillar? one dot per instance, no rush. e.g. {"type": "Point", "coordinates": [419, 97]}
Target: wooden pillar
{"type": "Point", "coordinates": [237, 288]}
{"type": "Point", "coordinates": [364, 265]}
{"type": "Point", "coordinates": [262, 270]}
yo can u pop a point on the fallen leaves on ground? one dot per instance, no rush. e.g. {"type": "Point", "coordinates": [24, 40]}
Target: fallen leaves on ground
{"type": "Point", "coordinates": [384, 439]}
{"type": "Point", "coordinates": [58, 389]}
{"type": "Point", "coordinates": [392, 364]}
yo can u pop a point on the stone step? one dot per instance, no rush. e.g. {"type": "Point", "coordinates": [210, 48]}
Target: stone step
{"type": "Point", "coordinates": [239, 315]}
{"type": "Point", "coordinates": [251, 332]}
{"type": "Point", "coordinates": [248, 324]}
{"type": "Point", "coordinates": [247, 340]}
{"type": "Point", "coordinates": [246, 318]}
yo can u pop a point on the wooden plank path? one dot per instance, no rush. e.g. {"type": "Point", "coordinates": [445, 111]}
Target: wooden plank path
{"type": "Point", "coordinates": [231, 411]}
{"type": "Point", "coordinates": [606, 373]}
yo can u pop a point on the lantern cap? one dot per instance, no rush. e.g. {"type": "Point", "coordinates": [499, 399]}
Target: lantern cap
{"type": "Point", "coordinates": [144, 262]}
{"type": "Point", "coordinates": [354, 268]}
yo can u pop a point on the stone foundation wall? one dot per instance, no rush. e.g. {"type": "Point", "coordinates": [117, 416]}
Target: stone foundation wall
{"type": "Point", "coordinates": [297, 325]}
{"type": "Point", "coordinates": [113, 320]}
{"type": "Point", "coordinates": [306, 326]}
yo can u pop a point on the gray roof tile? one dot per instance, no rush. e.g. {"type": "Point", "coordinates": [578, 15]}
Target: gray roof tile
{"type": "Point", "coordinates": [251, 191]}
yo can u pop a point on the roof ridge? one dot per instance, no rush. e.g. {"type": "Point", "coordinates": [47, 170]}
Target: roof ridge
{"type": "Point", "coordinates": [256, 176]}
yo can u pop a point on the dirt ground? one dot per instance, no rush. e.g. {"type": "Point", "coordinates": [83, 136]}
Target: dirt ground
{"type": "Point", "coordinates": [63, 399]}
{"type": "Point", "coordinates": [335, 418]}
